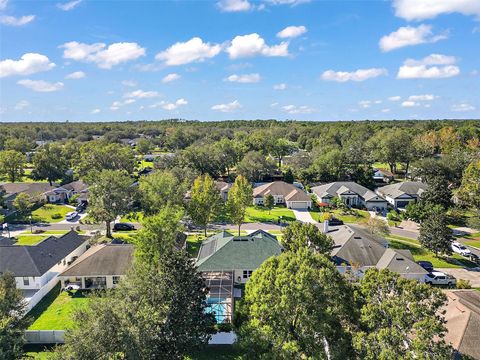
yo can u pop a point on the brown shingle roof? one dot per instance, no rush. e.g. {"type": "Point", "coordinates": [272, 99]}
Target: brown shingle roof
{"type": "Point", "coordinates": [288, 191]}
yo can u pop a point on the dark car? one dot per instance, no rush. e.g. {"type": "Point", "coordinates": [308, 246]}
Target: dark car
{"type": "Point", "coordinates": [335, 222]}
{"type": "Point", "coordinates": [427, 265]}
{"type": "Point", "coordinates": [474, 258]}
{"type": "Point", "coordinates": [123, 227]}
{"type": "Point", "coordinates": [81, 207]}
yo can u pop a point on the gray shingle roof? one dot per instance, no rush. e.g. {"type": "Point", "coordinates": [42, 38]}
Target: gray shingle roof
{"type": "Point", "coordinates": [288, 191]}
{"type": "Point", "coordinates": [336, 188]}
{"type": "Point", "coordinates": [37, 260]}
{"type": "Point", "coordinates": [400, 263]}
{"type": "Point", "coordinates": [411, 188]}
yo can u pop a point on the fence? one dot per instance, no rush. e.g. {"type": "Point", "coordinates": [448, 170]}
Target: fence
{"type": "Point", "coordinates": [45, 336]}
{"type": "Point", "coordinates": [35, 299]}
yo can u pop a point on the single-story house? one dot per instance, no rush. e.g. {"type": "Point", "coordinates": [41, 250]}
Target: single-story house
{"type": "Point", "coordinates": [63, 193]}
{"type": "Point", "coordinates": [382, 176]}
{"type": "Point", "coordinates": [101, 266]}
{"type": "Point", "coordinates": [36, 268]}
{"type": "Point", "coordinates": [223, 187]}
{"type": "Point", "coordinates": [351, 193]}
{"type": "Point", "coordinates": [36, 190]}
{"type": "Point", "coordinates": [283, 193]}
{"type": "Point", "coordinates": [401, 194]}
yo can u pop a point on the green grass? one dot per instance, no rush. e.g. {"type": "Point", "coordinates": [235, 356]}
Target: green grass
{"type": "Point", "coordinates": [136, 216]}
{"type": "Point", "coordinates": [217, 352]}
{"type": "Point", "coordinates": [143, 164]}
{"type": "Point", "coordinates": [474, 243]}
{"type": "Point", "coordinates": [262, 214]}
{"type": "Point", "coordinates": [44, 213]}
{"type": "Point", "coordinates": [30, 239]}
{"type": "Point", "coordinates": [359, 216]}
{"type": "Point", "coordinates": [55, 310]}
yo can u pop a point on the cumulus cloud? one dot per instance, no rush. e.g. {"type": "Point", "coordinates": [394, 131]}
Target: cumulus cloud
{"type": "Point", "coordinates": [281, 86]}
{"type": "Point", "coordinates": [395, 98]}
{"type": "Point", "coordinates": [408, 36]}
{"type": "Point", "coordinates": [385, 110]}
{"type": "Point", "coordinates": [253, 45]}
{"type": "Point", "coordinates": [429, 9]}
{"type": "Point", "coordinates": [229, 107]}
{"type": "Point", "coordinates": [130, 83]}
{"type": "Point", "coordinates": [245, 78]}
{"type": "Point", "coordinates": [294, 109]}
{"type": "Point", "coordinates": [22, 105]}
{"type": "Point", "coordinates": [234, 5]}
{"type": "Point", "coordinates": [95, 111]}
{"type": "Point", "coordinates": [462, 107]}
{"type": "Point", "coordinates": [434, 66]}
{"type": "Point", "coordinates": [287, 2]}
{"type": "Point", "coordinates": [291, 32]}
{"type": "Point", "coordinates": [194, 50]}
{"type": "Point", "coordinates": [173, 106]}
{"type": "Point", "coordinates": [16, 21]}
{"type": "Point", "coordinates": [364, 103]}
{"type": "Point", "coordinates": [29, 63]}
{"type": "Point", "coordinates": [171, 77]}
{"type": "Point", "coordinates": [69, 5]}
{"type": "Point", "coordinates": [426, 97]}
{"type": "Point", "coordinates": [104, 57]}
{"type": "Point", "coordinates": [40, 85]}
{"type": "Point", "coordinates": [358, 75]}
{"type": "Point", "coordinates": [140, 94]}
{"type": "Point", "coordinates": [76, 75]}
{"type": "Point", "coordinates": [409, 103]}
{"type": "Point", "coordinates": [3, 4]}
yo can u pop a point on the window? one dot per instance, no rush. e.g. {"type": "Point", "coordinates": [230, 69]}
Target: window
{"type": "Point", "coordinates": [247, 274]}
{"type": "Point", "coordinates": [116, 280]}
{"type": "Point", "coordinates": [26, 281]}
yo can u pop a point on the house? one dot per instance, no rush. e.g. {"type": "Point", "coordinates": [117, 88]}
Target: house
{"type": "Point", "coordinates": [382, 176]}
{"type": "Point", "coordinates": [401, 194]}
{"type": "Point", "coordinates": [356, 250]}
{"type": "Point", "coordinates": [36, 268]}
{"type": "Point", "coordinates": [463, 322]}
{"type": "Point", "coordinates": [283, 193]}
{"type": "Point", "coordinates": [352, 194]}
{"type": "Point", "coordinates": [62, 194]}
{"type": "Point", "coordinates": [101, 266]}
{"type": "Point", "coordinates": [35, 190]}
{"type": "Point", "coordinates": [223, 187]}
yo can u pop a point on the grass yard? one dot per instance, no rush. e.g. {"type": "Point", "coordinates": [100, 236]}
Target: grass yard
{"type": "Point", "coordinates": [136, 216]}
{"type": "Point", "coordinates": [30, 239]}
{"type": "Point", "coordinates": [359, 217]}
{"type": "Point", "coordinates": [55, 310]}
{"type": "Point", "coordinates": [45, 213]}
{"type": "Point", "coordinates": [262, 214]}
{"type": "Point", "coordinates": [474, 243]}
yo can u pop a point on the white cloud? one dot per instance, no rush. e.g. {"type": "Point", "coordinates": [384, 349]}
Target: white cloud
{"type": "Point", "coordinates": [171, 77]}
{"type": "Point", "coordinates": [395, 98]}
{"type": "Point", "coordinates": [462, 107]}
{"type": "Point", "coordinates": [140, 94]}
{"type": "Point", "coordinates": [281, 86]}
{"type": "Point", "coordinates": [40, 85]}
{"type": "Point", "coordinates": [253, 45]}
{"type": "Point", "coordinates": [98, 53]}
{"type": "Point", "coordinates": [129, 101]}
{"type": "Point", "coordinates": [22, 105]}
{"type": "Point", "coordinates": [14, 21]}
{"type": "Point", "coordinates": [287, 2]}
{"type": "Point", "coordinates": [229, 107]}
{"type": "Point", "coordinates": [409, 103]}
{"type": "Point", "coordinates": [364, 103]}
{"type": "Point", "coordinates": [385, 110]}
{"type": "Point", "coordinates": [76, 75]}
{"type": "Point", "coordinates": [95, 111]}
{"type": "Point", "coordinates": [429, 9]}
{"type": "Point", "coordinates": [3, 4]}
{"type": "Point", "coordinates": [408, 36]}
{"type": "Point", "coordinates": [358, 75]}
{"type": "Point", "coordinates": [426, 97]}
{"type": "Point", "coordinates": [29, 63]}
{"type": "Point", "coordinates": [434, 66]}
{"type": "Point", "coordinates": [130, 83]}
{"type": "Point", "coordinates": [292, 32]}
{"type": "Point", "coordinates": [293, 109]}
{"type": "Point", "coordinates": [69, 5]}
{"type": "Point", "coordinates": [175, 105]}
{"type": "Point", "coordinates": [234, 5]}
{"type": "Point", "coordinates": [194, 50]}
{"type": "Point", "coordinates": [245, 78]}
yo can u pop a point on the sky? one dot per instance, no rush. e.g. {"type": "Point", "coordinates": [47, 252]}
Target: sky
{"type": "Point", "coordinates": [90, 60]}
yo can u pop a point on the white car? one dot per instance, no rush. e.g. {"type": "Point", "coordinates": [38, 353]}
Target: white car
{"type": "Point", "coordinates": [71, 215]}
{"type": "Point", "coordinates": [71, 287]}
{"type": "Point", "coordinates": [440, 278]}
{"type": "Point", "coordinates": [460, 249]}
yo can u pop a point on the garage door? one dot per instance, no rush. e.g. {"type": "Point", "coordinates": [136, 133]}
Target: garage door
{"type": "Point", "coordinates": [402, 204]}
{"type": "Point", "coordinates": [299, 205]}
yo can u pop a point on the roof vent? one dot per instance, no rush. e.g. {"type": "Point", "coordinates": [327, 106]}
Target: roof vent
{"type": "Point", "coordinates": [400, 259]}
{"type": "Point", "coordinates": [357, 237]}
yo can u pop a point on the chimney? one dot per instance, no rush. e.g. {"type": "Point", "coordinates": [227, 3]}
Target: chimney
{"type": "Point", "coordinates": [325, 227]}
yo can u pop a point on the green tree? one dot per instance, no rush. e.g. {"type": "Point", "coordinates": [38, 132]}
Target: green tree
{"type": "Point", "coordinates": [49, 163]}
{"type": "Point", "coordinates": [144, 146]}
{"type": "Point", "coordinates": [288, 177]}
{"type": "Point", "coordinates": [110, 194]}
{"type": "Point", "coordinates": [240, 197]}
{"type": "Point", "coordinates": [205, 202]}
{"type": "Point", "coordinates": [435, 235]}
{"type": "Point", "coordinates": [280, 148]}
{"type": "Point", "coordinates": [22, 145]}
{"type": "Point", "coordinates": [378, 227]}
{"type": "Point", "coordinates": [255, 166]}
{"type": "Point", "coordinates": [12, 321]}
{"type": "Point", "coordinates": [400, 319]}
{"type": "Point", "coordinates": [23, 204]}
{"type": "Point", "coordinates": [269, 202]}
{"type": "Point", "coordinates": [469, 190]}
{"type": "Point", "coordinates": [437, 193]}
{"type": "Point", "coordinates": [298, 306]}
{"type": "Point", "coordinates": [299, 235]}
{"type": "Point", "coordinates": [12, 163]}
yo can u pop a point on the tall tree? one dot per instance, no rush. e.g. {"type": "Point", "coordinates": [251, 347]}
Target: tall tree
{"type": "Point", "coordinates": [378, 227]}
{"type": "Point", "coordinates": [49, 163]}
{"type": "Point", "coordinates": [299, 235]}
{"type": "Point", "coordinates": [12, 163]}
{"type": "Point", "coordinates": [469, 191]}
{"type": "Point", "coordinates": [437, 193]}
{"type": "Point", "coordinates": [255, 166]}
{"type": "Point", "coordinates": [400, 319]}
{"type": "Point", "coordinates": [110, 194]}
{"type": "Point", "coordinates": [23, 204]}
{"type": "Point", "coordinates": [205, 202]}
{"type": "Point", "coordinates": [269, 202]}
{"type": "Point", "coordinates": [288, 177]}
{"type": "Point", "coordinates": [144, 146]}
{"type": "Point", "coordinates": [240, 197]}
{"type": "Point", "coordinates": [12, 321]}
{"type": "Point", "coordinates": [435, 235]}
{"type": "Point", "coordinates": [298, 306]}
{"type": "Point", "coordinates": [280, 148]}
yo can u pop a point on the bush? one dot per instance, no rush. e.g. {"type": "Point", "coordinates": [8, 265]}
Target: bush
{"type": "Point", "coordinates": [224, 327]}
{"type": "Point", "coordinates": [38, 231]}
{"type": "Point", "coordinates": [393, 216]}
{"type": "Point", "coordinates": [56, 216]}
{"type": "Point", "coordinates": [326, 216]}
{"type": "Point", "coordinates": [464, 284]}
{"type": "Point", "coordinates": [474, 222]}
{"type": "Point", "coordinates": [74, 199]}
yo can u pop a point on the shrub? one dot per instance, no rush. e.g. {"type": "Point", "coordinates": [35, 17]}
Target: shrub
{"type": "Point", "coordinates": [56, 216]}
{"type": "Point", "coordinates": [474, 222]}
{"type": "Point", "coordinates": [464, 284]}
{"type": "Point", "coordinates": [393, 216]}
{"type": "Point", "coordinates": [38, 231]}
{"type": "Point", "coordinates": [326, 216]}
{"type": "Point", "coordinates": [74, 199]}
{"type": "Point", "coordinates": [224, 327]}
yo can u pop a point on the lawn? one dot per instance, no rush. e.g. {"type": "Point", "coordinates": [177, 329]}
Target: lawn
{"type": "Point", "coordinates": [55, 310]}
{"type": "Point", "coordinates": [45, 213]}
{"type": "Point", "coordinates": [30, 239]}
{"type": "Point", "coordinates": [136, 216]}
{"type": "Point", "coordinates": [359, 216]}
{"type": "Point", "coordinates": [262, 214]}
{"type": "Point", "coordinates": [53, 232]}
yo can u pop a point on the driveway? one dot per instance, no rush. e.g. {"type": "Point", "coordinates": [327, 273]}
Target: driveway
{"type": "Point", "coordinates": [471, 275]}
{"type": "Point", "coordinates": [304, 216]}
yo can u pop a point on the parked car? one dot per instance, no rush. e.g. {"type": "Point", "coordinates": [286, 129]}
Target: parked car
{"type": "Point", "coordinates": [123, 227]}
{"type": "Point", "coordinates": [440, 278]}
{"type": "Point", "coordinates": [71, 215]}
{"type": "Point", "coordinates": [335, 222]}
{"type": "Point", "coordinates": [474, 258]}
{"type": "Point", "coordinates": [427, 265]}
{"type": "Point", "coordinates": [71, 287]}
{"type": "Point", "coordinates": [81, 207]}
{"type": "Point", "coordinates": [460, 249]}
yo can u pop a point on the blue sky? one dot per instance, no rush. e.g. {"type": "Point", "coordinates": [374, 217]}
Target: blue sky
{"type": "Point", "coordinates": [238, 59]}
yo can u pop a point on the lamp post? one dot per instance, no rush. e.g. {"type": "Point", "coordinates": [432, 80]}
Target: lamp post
{"type": "Point", "coordinates": [31, 226]}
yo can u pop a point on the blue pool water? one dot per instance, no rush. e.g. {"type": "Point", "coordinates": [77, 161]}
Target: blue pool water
{"type": "Point", "coordinates": [217, 307]}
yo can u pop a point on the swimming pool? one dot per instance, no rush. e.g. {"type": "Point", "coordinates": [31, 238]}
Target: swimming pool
{"type": "Point", "coordinates": [220, 308]}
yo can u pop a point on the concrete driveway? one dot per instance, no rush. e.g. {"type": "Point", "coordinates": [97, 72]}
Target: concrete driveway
{"type": "Point", "coordinates": [304, 216]}
{"type": "Point", "coordinates": [471, 275]}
